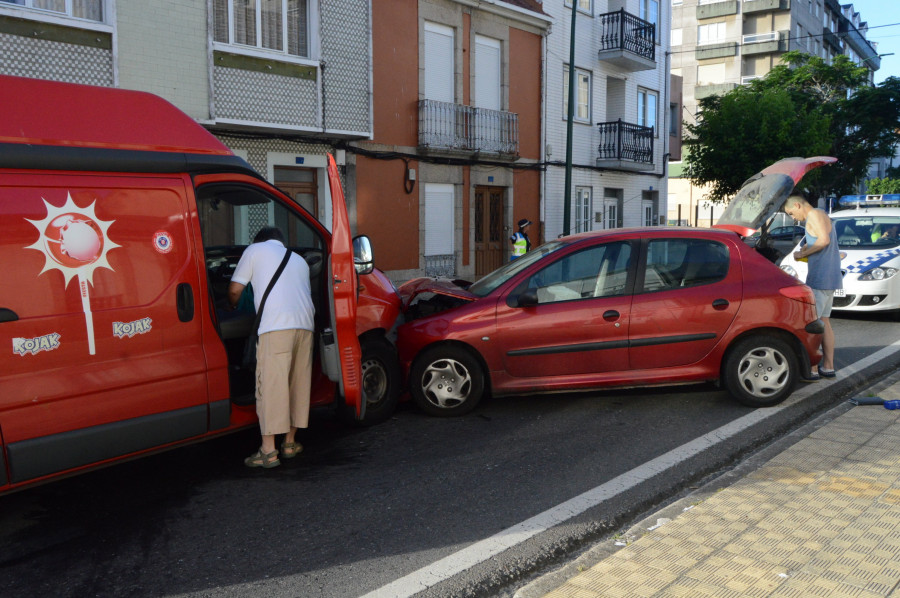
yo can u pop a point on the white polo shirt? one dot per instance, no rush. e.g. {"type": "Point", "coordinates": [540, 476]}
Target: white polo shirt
{"type": "Point", "coordinates": [289, 305]}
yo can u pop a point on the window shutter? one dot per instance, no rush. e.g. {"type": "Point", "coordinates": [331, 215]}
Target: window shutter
{"type": "Point", "coordinates": [487, 73]}
{"type": "Point", "coordinates": [438, 219]}
{"type": "Point", "coordinates": [439, 63]}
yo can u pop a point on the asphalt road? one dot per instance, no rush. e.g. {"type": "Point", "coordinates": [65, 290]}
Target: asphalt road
{"type": "Point", "coordinates": [415, 499]}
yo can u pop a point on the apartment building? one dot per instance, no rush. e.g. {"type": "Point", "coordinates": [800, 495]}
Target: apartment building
{"type": "Point", "coordinates": [720, 44]}
{"type": "Point", "coordinates": [620, 122]}
{"type": "Point", "coordinates": [454, 160]}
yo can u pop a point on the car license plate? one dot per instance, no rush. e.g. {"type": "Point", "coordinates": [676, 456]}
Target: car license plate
{"type": "Point", "coordinates": [839, 293]}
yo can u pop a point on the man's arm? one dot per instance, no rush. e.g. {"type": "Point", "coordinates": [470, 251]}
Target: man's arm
{"type": "Point", "coordinates": [234, 293]}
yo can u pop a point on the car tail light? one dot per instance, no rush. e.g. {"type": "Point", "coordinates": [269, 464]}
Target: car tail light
{"type": "Point", "coordinates": [799, 292]}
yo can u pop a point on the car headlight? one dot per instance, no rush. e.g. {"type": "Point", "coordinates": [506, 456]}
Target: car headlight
{"type": "Point", "coordinates": [790, 270]}
{"type": "Point", "coordinates": [878, 274]}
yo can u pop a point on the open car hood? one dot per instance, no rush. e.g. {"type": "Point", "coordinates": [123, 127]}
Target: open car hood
{"type": "Point", "coordinates": [765, 193]}
{"type": "Point", "coordinates": [436, 286]}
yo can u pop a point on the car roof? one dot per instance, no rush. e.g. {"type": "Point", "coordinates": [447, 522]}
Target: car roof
{"type": "Point", "coordinates": [863, 211]}
{"type": "Point", "coordinates": [645, 231]}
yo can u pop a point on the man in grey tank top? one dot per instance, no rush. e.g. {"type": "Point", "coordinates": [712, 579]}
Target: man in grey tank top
{"type": "Point", "coordinates": [824, 272]}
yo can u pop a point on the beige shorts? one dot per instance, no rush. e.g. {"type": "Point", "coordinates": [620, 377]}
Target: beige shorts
{"type": "Point", "coordinates": [283, 378]}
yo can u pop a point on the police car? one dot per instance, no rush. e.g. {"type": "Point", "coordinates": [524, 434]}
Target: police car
{"type": "Point", "coordinates": [867, 229]}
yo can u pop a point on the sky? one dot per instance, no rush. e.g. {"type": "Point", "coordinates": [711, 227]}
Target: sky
{"type": "Point", "coordinates": [883, 18]}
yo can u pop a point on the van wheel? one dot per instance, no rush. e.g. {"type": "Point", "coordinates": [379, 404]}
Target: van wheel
{"type": "Point", "coordinates": [446, 381]}
{"type": "Point", "coordinates": [760, 371]}
{"type": "Point", "coordinates": [380, 383]}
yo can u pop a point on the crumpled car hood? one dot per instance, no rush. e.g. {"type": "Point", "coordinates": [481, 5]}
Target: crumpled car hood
{"type": "Point", "coordinates": [437, 286]}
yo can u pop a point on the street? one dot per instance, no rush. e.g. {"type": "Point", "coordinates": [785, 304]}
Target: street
{"type": "Point", "coordinates": [362, 509]}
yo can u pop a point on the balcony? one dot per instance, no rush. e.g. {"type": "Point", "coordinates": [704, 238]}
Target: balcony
{"type": "Point", "coordinates": [764, 43]}
{"type": "Point", "coordinates": [625, 146]}
{"type": "Point", "coordinates": [627, 41]}
{"type": "Point", "coordinates": [465, 129]}
{"type": "Point", "coordinates": [751, 6]}
{"type": "Point", "coordinates": [708, 51]}
{"type": "Point", "coordinates": [832, 40]}
{"type": "Point", "coordinates": [708, 9]}
{"type": "Point", "coordinates": [704, 91]}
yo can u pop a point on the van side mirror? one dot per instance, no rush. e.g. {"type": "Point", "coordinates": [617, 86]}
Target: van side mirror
{"type": "Point", "coordinates": [363, 260]}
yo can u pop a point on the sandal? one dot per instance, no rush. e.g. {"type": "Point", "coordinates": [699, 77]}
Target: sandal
{"type": "Point", "coordinates": [264, 460]}
{"type": "Point", "coordinates": [827, 373]}
{"type": "Point", "coordinates": [289, 450]}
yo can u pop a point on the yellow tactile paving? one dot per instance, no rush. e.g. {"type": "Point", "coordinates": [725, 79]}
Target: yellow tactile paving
{"type": "Point", "coordinates": [822, 519]}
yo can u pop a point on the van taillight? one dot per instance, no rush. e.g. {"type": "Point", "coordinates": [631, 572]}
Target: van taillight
{"type": "Point", "coordinates": [799, 292]}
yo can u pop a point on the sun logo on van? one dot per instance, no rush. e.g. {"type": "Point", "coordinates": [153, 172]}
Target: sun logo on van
{"type": "Point", "coordinates": [75, 242]}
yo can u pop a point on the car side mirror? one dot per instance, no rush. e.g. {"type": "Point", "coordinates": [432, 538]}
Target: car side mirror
{"type": "Point", "coordinates": [527, 299]}
{"type": "Point", "coordinates": [363, 260]}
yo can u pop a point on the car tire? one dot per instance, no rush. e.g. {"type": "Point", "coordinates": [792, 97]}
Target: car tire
{"type": "Point", "coordinates": [761, 371]}
{"type": "Point", "coordinates": [446, 381]}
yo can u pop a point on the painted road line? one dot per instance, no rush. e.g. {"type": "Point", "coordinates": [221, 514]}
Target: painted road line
{"type": "Point", "coordinates": [488, 548]}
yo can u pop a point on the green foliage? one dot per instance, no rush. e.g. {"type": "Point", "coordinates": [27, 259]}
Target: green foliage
{"type": "Point", "coordinates": [881, 186]}
{"type": "Point", "coordinates": [803, 107]}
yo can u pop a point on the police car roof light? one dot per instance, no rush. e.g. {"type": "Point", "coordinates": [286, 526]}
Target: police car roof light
{"type": "Point", "coordinates": [858, 201]}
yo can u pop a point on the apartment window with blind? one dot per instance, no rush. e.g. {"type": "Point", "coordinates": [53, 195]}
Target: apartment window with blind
{"type": "Point", "coordinates": [91, 10]}
{"type": "Point", "coordinates": [270, 25]}
{"type": "Point", "coordinates": [582, 94]}
{"type": "Point", "coordinates": [646, 109]}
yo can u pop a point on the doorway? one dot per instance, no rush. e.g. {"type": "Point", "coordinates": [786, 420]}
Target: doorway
{"type": "Point", "coordinates": [488, 229]}
{"type": "Point", "coordinates": [301, 185]}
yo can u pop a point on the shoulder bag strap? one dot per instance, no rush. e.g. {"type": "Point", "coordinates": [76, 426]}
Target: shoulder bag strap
{"type": "Point", "coordinates": [262, 302]}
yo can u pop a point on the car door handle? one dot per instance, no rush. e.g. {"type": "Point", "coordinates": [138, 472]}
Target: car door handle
{"type": "Point", "coordinates": [611, 315]}
{"type": "Point", "coordinates": [8, 315]}
{"type": "Point", "coordinates": [720, 304]}
{"type": "Point", "coordinates": [184, 295]}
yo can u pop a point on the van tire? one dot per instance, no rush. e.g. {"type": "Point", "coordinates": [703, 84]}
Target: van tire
{"type": "Point", "coordinates": [380, 382]}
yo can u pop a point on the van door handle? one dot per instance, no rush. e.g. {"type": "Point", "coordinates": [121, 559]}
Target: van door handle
{"type": "Point", "coordinates": [8, 315]}
{"type": "Point", "coordinates": [720, 304]}
{"type": "Point", "coordinates": [185, 301]}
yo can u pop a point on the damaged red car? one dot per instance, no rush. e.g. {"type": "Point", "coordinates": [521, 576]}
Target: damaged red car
{"type": "Point", "coordinates": [620, 308]}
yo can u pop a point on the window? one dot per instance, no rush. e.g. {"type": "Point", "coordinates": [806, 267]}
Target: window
{"type": "Point", "coordinates": [487, 73]}
{"type": "Point", "coordinates": [674, 119]}
{"type": "Point", "coordinates": [438, 219]}
{"type": "Point", "coordinates": [711, 74]}
{"type": "Point", "coordinates": [612, 199]}
{"type": "Point", "coordinates": [582, 94]}
{"type": "Point", "coordinates": [677, 37]}
{"type": "Point", "coordinates": [649, 11]}
{"type": "Point", "coordinates": [80, 9]}
{"type": "Point", "coordinates": [600, 271]}
{"type": "Point", "coordinates": [583, 5]}
{"type": "Point", "coordinates": [582, 209]}
{"type": "Point", "coordinates": [676, 263]}
{"type": "Point", "coordinates": [271, 25]}
{"type": "Point", "coordinates": [647, 101]}
{"type": "Point", "coordinates": [439, 47]}
{"type": "Point", "coordinates": [647, 210]}
{"type": "Point", "coordinates": [712, 33]}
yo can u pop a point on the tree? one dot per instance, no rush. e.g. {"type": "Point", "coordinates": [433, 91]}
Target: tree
{"type": "Point", "coordinates": [803, 107]}
{"type": "Point", "coordinates": [882, 186]}
{"type": "Point", "coordinates": [740, 133]}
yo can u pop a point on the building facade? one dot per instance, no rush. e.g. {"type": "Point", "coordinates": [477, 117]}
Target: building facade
{"type": "Point", "coordinates": [620, 121]}
{"type": "Point", "coordinates": [720, 44]}
{"type": "Point", "coordinates": [456, 149]}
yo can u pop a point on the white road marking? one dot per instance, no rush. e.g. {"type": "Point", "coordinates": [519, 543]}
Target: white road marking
{"type": "Point", "coordinates": [483, 550]}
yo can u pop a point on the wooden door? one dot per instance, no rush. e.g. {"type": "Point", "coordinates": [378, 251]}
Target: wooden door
{"type": "Point", "coordinates": [489, 236]}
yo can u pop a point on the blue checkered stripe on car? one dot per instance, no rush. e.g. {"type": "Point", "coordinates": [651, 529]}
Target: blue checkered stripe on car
{"type": "Point", "coordinates": [873, 261]}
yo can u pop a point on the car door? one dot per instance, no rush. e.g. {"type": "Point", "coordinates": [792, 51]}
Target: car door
{"type": "Point", "coordinates": [686, 296]}
{"type": "Point", "coordinates": [579, 323]}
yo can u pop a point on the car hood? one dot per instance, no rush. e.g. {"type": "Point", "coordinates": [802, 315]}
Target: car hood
{"type": "Point", "coordinates": [436, 286]}
{"type": "Point", "coordinates": [763, 194]}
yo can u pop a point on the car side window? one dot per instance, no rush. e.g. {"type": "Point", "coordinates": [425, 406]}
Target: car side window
{"type": "Point", "coordinates": [600, 271]}
{"type": "Point", "coordinates": [678, 263]}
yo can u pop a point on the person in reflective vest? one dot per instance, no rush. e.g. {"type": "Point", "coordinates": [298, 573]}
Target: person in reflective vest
{"type": "Point", "coordinates": [520, 241]}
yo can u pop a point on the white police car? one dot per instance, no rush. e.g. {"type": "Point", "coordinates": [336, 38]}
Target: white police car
{"type": "Point", "coordinates": [867, 229]}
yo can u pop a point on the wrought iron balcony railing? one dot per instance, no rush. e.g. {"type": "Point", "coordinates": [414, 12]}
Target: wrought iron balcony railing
{"type": "Point", "coordinates": [623, 31]}
{"type": "Point", "coordinates": [454, 127]}
{"type": "Point", "coordinates": [623, 141]}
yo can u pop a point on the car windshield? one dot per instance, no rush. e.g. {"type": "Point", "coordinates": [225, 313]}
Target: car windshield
{"type": "Point", "coordinates": [499, 276]}
{"type": "Point", "coordinates": [867, 232]}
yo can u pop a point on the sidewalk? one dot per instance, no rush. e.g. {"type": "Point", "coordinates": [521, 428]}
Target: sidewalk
{"type": "Point", "coordinates": [822, 518]}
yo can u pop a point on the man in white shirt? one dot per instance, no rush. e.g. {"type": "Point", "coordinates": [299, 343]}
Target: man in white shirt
{"type": "Point", "coordinates": [285, 349]}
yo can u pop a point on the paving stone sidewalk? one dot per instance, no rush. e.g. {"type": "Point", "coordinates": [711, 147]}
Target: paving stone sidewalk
{"type": "Point", "coordinates": [821, 519]}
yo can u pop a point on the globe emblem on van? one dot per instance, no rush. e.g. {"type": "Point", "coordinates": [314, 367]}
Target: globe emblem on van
{"type": "Point", "coordinates": [74, 240]}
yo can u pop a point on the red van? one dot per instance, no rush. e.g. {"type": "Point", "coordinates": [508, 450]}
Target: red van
{"type": "Point", "coordinates": [121, 221]}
